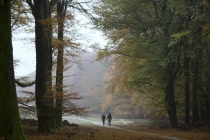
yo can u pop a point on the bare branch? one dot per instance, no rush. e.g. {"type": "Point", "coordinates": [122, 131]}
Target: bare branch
{"type": "Point", "coordinates": [82, 10]}
{"type": "Point", "coordinates": [53, 3]}
{"type": "Point", "coordinates": [31, 6]}
{"type": "Point", "coordinates": [27, 84]}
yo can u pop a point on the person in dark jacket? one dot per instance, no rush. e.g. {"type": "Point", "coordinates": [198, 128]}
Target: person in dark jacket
{"type": "Point", "coordinates": [103, 117]}
{"type": "Point", "coordinates": [109, 117]}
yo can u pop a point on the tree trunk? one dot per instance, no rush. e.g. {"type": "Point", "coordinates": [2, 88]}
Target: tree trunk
{"type": "Point", "coordinates": [201, 103]}
{"type": "Point", "coordinates": [59, 70]}
{"type": "Point", "coordinates": [59, 87]}
{"type": "Point", "coordinates": [170, 68]}
{"type": "Point", "coordinates": [202, 112]}
{"type": "Point", "coordinates": [187, 90]}
{"type": "Point", "coordinates": [50, 100]}
{"type": "Point", "coordinates": [207, 103]}
{"type": "Point", "coordinates": [201, 85]}
{"type": "Point", "coordinates": [171, 105]}
{"type": "Point", "coordinates": [43, 60]}
{"type": "Point", "coordinates": [49, 85]}
{"type": "Point", "coordinates": [170, 98]}
{"type": "Point", "coordinates": [195, 112]}
{"type": "Point", "coordinates": [10, 124]}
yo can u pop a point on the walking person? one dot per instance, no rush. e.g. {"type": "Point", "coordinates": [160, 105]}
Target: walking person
{"type": "Point", "coordinates": [109, 117]}
{"type": "Point", "coordinates": [103, 117]}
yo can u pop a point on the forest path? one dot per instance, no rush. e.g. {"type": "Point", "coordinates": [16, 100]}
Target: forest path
{"type": "Point", "coordinates": [100, 124]}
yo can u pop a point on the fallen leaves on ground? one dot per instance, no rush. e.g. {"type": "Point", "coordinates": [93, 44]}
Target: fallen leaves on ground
{"type": "Point", "coordinates": [92, 132]}
{"type": "Point", "coordinates": [85, 133]}
{"type": "Point", "coordinates": [198, 132]}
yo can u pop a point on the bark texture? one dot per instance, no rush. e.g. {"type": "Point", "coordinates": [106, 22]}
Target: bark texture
{"type": "Point", "coordinates": [43, 60]}
{"type": "Point", "coordinates": [170, 101]}
{"type": "Point", "coordinates": [59, 70]}
{"type": "Point", "coordinates": [187, 90]}
{"type": "Point", "coordinates": [10, 124]}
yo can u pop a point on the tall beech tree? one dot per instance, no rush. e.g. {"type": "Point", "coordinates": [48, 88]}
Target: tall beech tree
{"type": "Point", "coordinates": [61, 13]}
{"type": "Point", "coordinates": [10, 124]}
{"type": "Point", "coordinates": [41, 10]}
{"type": "Point", "coordinates": [64, 15]}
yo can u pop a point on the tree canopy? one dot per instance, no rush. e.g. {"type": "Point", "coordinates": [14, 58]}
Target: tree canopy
{"type": "Point", "coordinates": [154, 43]}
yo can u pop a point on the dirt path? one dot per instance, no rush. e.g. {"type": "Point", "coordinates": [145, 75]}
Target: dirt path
{"type": "Point", "coordinates": [114, 127]}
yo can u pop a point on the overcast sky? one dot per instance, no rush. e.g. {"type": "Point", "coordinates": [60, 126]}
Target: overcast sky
{"type": "Point", "coordinates": [25, 53]}
{"type": "Point", "coordinates": [24, 46]}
